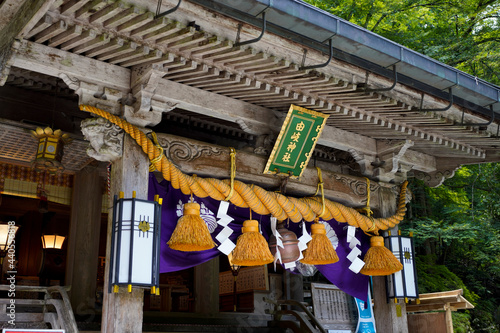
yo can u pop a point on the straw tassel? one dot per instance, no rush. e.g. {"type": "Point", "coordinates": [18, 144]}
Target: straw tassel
{"type": "Point", "coordinates": [319, 250]}
{"type": "Point", "coordinates": [379, 260]}
{"type": "Point", "coordinates": [251, 247]}
{"type": "Point", "coordinates": [191, 232]}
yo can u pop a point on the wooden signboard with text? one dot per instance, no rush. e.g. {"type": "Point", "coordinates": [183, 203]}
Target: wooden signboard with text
{"type": "Point", "coordinates": [296, 142]}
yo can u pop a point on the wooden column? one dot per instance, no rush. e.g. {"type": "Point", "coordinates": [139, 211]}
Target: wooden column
{"type": "Point", "coordinates": [206, 289]}
{"type": "Point", "coordinates": [448, 319]}
{"type": "Point", "coordinates": [389, 317]}
{"type": "Point", "coordinates": [122, 311]}
{"type": "Point", "coordinates": [83, 246]}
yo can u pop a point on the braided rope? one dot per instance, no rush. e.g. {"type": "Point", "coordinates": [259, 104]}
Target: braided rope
{"type": "Point", "coordinates": [256, 198]}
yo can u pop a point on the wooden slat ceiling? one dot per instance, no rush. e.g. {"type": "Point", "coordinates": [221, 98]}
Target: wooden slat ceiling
{"type": "Point", "coordinates": [125, 35]}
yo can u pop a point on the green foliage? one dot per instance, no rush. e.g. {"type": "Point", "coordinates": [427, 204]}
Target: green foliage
{"type": "Point", "coordinates": [463, 34]}
{"type": "Point", "coordinates": [458, 240]}
{"type": "Point", "coordinates": [461, 322]}
{"type": "Point", "coordinates": [434, 278]}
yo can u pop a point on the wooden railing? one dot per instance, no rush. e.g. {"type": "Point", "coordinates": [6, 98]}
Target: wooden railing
{"type": "Point", "coordinates": [307, 322]}
{"type": "Point", "coordinates": [40, 310]}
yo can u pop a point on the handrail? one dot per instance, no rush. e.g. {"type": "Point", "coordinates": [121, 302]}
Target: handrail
{"type": "Point", "coordinates": [66, 318]}
{"type": "Point", "coordinates": [278, 303]}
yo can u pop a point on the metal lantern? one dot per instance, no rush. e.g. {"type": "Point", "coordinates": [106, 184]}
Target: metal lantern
{"type": "Point", "coordinates": [135, 244]}
{"type": "Point", "coordinates": [402, 284]}
{"type": "Point", "coordinates": [50, 149]}
{"type": "Point", "coordinates": [52, 241]}
{"type": "Point", "coordinates": [7, 234]}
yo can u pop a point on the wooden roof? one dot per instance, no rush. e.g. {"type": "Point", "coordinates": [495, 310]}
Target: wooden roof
{"type": "Point", "coordinates": [117, 51]}
{"type": "Point", "coordinates": [443, 300]}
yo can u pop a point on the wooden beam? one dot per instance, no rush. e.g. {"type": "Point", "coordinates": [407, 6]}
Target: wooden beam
{"type": "Point", "coordinates": [53, 62]}
{"type": "Point", "coordinates": [206, 160]}
{"type": "Point", "coordinates": [16, 19]}
{"type": "Point", "coordinates": [252, 118]}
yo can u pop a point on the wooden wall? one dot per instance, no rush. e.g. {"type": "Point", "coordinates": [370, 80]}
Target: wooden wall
{"type": "Point", "coordinates": [433, 322]}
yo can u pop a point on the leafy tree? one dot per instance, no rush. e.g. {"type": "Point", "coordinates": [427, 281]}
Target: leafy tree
{"type": "Point", "coordinates": [457, 236]}
{"type": "Point", "coordinates": [463, 34]}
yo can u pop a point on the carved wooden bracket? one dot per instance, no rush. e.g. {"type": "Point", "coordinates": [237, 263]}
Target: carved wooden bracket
{"type": "Point", "coordinates": [146, 110]}
{"type": "Point", "coordinates": [388, 164]}
{"type": "Point", "coordinates": [106, 139]}
{"type": "Point", "coordinates": [436, 178]}
{"type": "Point", "coordinates": [104, 98]}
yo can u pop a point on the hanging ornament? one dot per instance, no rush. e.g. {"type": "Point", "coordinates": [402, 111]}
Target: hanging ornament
{"type": "Point", "coordinates": [379, 260]}
{"type": "Point", "coordinates": [191, 232]}
{"type": "Point", "coordinates": [290, 251]}
{"type": "Point", "coordinates": [319, 250]}
{"type": "Point", "coordinates": [50, 149]}
{"type": "Point", "coordinates": [251, 247]}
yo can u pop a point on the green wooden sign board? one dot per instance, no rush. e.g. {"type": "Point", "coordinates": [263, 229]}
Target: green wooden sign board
{"type": "Point", "coordinates": [296, 142]}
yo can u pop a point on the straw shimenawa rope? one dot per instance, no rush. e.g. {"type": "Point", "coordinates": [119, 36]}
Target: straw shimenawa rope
{"type": "Point", "coordinates": [259, 200]}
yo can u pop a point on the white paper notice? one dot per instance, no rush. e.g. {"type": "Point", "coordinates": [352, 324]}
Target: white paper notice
{"type": "Point", "coordinates": [356, 265]}
{"type": "Point", "coordinates": [354, 242]}
{"type": "Point", "coordinates": [224, 234]}
{"type": "Point", "coordinates": [225, 220]}
{"type": "Point", "coordinates": [305, 238]}
{"type": "Point", "coordinates": [353, 254]}
{"type": "Point", "coordinates": [273, 225]}
{"type": "Point", "coordinates": [227, 246]}
{"type": "Point", "coordinates": [302, 246]}
{"type": "Point", "coordinates": [223, 206]}
{"type": "Point", "coordinates": [351, 231]}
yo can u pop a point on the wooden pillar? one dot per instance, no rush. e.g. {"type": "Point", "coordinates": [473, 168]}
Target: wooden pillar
{"type": "Point", "coordinates": [448, 319]}
{"type": "Point", "coordinates": [206, 289]}
{"type": "Point", "coordinates": [83, 246]}
{"type": "Point", "coordinates": [123, 311]}
{"type": "Point", "coordinates": [389, 317]}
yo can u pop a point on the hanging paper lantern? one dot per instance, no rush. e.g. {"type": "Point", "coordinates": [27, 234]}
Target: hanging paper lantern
{"type": "Point", "coordinates": [290, 251]}
{"type": "Point", "coordinates": [319, 250]}
{"type": "Point", "coordinates": [191, 232]}
{"type": "Point", "coordinates": [251, 247]}
{"type": "Point", "coordinates": [379, 260]}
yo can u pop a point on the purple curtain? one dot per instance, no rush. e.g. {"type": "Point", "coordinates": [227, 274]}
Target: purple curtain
{"type": "Point", "coordinates": [172, 260]}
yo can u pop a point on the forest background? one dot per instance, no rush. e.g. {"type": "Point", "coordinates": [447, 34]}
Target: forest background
{"type": "Point", "coordinates": [456, 225]}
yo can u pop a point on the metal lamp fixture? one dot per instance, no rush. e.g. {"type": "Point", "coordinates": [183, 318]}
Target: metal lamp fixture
{"type": "Point", "coordinates": [135, 244]}
{"type": "Point", "coordinates": [7, 234]}
{"type": "Point", "coordinates": [235, 269]}
{"type": "Point", "coordinates": [50, 149]}
{"type": "Point", "coordinates": [402, 284]}
{"type": "Point", "coordinates": [52, 241]}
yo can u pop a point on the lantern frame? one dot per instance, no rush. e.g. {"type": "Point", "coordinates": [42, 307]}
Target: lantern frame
{"type": "Point", "coordinates": [50, 149]}
{"type": "Point", "coordinates": [402, 284]}
{"type": "Point", "coordinates": [7, 234]}
{"type": "Point", "coordinates": [53, 241]}
{"type": "Point", "coordinates": [129, 264]}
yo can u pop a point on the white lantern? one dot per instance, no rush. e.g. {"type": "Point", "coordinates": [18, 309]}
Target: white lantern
{"type": "Point", "coordinates": [135, 244]}
{"type": "Point", "coordinates": [402, 284]}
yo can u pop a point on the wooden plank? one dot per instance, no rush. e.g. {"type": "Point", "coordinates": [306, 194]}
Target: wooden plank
{"type": "Point", "coordinates": [43, 59]}
{"type": "Point", "coordinates": [53, 30]}
{"type": "Point", "coordinates": [83, 246]}
{"type": "Point", "coordinates": [204, 160]}
{"type": "Point", "coordinates": [108, 12]}
{"type": "Point", "coordinates": [426, 323]}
